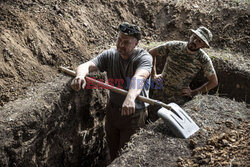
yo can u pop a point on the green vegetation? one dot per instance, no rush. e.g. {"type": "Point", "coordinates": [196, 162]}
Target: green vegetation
{"type": "Point", "coordinates": [150, 45]}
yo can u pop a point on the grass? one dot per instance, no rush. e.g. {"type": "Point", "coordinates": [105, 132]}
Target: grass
{"type": "Point", "coordinates": [150, 45]}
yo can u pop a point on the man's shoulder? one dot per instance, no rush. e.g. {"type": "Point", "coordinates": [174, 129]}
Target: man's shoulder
{"type": "Point", "coordinates": [140, 52]}
{"type": "Point", "coordinates": [110, 51]}
{"type": "Point", "coordinates": [203, 54]}
{"type": "Point", "coordinates": [176, 43]}
{"type": "Point", "coordinates": [142, 55]}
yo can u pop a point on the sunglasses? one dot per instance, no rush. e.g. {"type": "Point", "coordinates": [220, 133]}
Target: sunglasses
{"type": "Point", "coordinates": [127, 30]}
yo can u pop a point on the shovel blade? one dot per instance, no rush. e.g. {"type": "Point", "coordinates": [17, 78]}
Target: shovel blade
{"type": "Point", "coordinates": [178, 120]}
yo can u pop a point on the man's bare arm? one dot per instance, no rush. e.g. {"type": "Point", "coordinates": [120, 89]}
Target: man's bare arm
{"type": "Point", "coordinates": [212, 83]}
{"type": "Point", "coordinates": [85, 68]}
{"type": "Point", "coordinates": [154, 53]}
{"type": "Point", "coordinates": [82, 70]}
{"type": "Point", "coordinates": [135, 89]}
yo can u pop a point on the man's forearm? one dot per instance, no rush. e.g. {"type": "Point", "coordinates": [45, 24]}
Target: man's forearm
{"type": "Point", "coordinates": [154, 53]}
{"type": "Point", "coordinates": [82, 70]}
{"type": "Point", "coordinates": [154, 66]}
{"type": "Point", "coordinates": [200, 90]}
{"type": "Point", "coordinates": [137, 84]}
{"type": "Point", "coordinates": [204, 88]}
{"type": "Point", "coordinates": [212, 82]}
{"type": "Point", "coordinates": [135, 87]}
{"type": "Point", "coordinates": [85, 68]}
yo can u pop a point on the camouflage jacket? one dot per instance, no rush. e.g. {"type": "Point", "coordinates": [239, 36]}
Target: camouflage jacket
{"type": "Point", "coordinates": [180, 67]}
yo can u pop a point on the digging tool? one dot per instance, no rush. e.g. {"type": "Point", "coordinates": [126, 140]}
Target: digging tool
{"type": "Point", "coordinates": [173, 115]}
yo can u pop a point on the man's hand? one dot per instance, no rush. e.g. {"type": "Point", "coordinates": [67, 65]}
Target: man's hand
{"type": "Point", "coordinates": [128, 107]}
{"type": "Point", "coordinates": [188, 92]}
{"type": "Point", "coordinates": [83, 70]}
{"type": "Point", "coordinates": [157, 76]}
{"type": "Point", "coordinates": [212, 82]}
{"type": "Point", "coordinates": [78, 83]}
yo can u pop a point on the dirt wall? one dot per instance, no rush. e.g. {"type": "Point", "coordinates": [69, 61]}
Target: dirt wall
{"type": "Point", "coordinates": [54, 126]}
{"type": "Point", "coordinates": [50, 125]}
{"type": "Point", "coordinates": [227, 19]}
{"type": "Point", "coordinates": [38, 36]}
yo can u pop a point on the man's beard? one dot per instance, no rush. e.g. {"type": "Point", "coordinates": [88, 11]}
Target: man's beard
{"type": "Point", "coordinates": [191, 49]}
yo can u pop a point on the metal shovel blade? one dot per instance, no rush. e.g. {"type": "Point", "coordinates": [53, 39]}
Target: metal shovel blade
{"type": "Point", "coordinates": [178, 120]}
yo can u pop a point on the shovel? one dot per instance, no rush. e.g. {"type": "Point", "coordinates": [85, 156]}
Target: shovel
{"type": "Point", "coordinates": [173, 115]}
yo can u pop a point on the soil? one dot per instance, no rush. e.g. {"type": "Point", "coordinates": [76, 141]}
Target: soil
{"type": "Point", "coordinates": [222, 140]}
{"type": "Point", "coordinates": [54, 126]}
{"type": "Point", "coordinates": [38, 36]}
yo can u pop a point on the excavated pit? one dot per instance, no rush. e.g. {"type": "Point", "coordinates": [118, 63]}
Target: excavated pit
{"type": "Point", "coordinates": [234, 81]}
{"type": "Point", "coordinates": [51, 125]}
{"type": "Point", "coordinates": [55, 126]}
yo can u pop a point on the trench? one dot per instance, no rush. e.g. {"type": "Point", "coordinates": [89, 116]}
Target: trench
{"type": "Point", "coordinates": [233, 84]}
{"type": "Point", "coordinates": [66, 128]}
{"type": "Point", "coordinates": [55, 126]}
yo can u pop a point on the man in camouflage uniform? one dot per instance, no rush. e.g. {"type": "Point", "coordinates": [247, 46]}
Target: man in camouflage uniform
{"type": "Point", "coordinates": [183, 61]}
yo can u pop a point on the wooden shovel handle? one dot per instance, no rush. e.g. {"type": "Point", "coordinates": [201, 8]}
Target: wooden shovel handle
{"type": "Point", "coordinates": [117, 90]}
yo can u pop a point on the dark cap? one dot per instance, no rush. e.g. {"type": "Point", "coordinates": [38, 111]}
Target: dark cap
{"type": "Point", "coordinates": [130, 29]}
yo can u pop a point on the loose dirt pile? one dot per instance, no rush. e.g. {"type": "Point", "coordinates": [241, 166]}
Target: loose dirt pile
{"type": "Point", "coordinates": [222, 140]}
{"type": "Point", "coordinates": [229, 148]}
